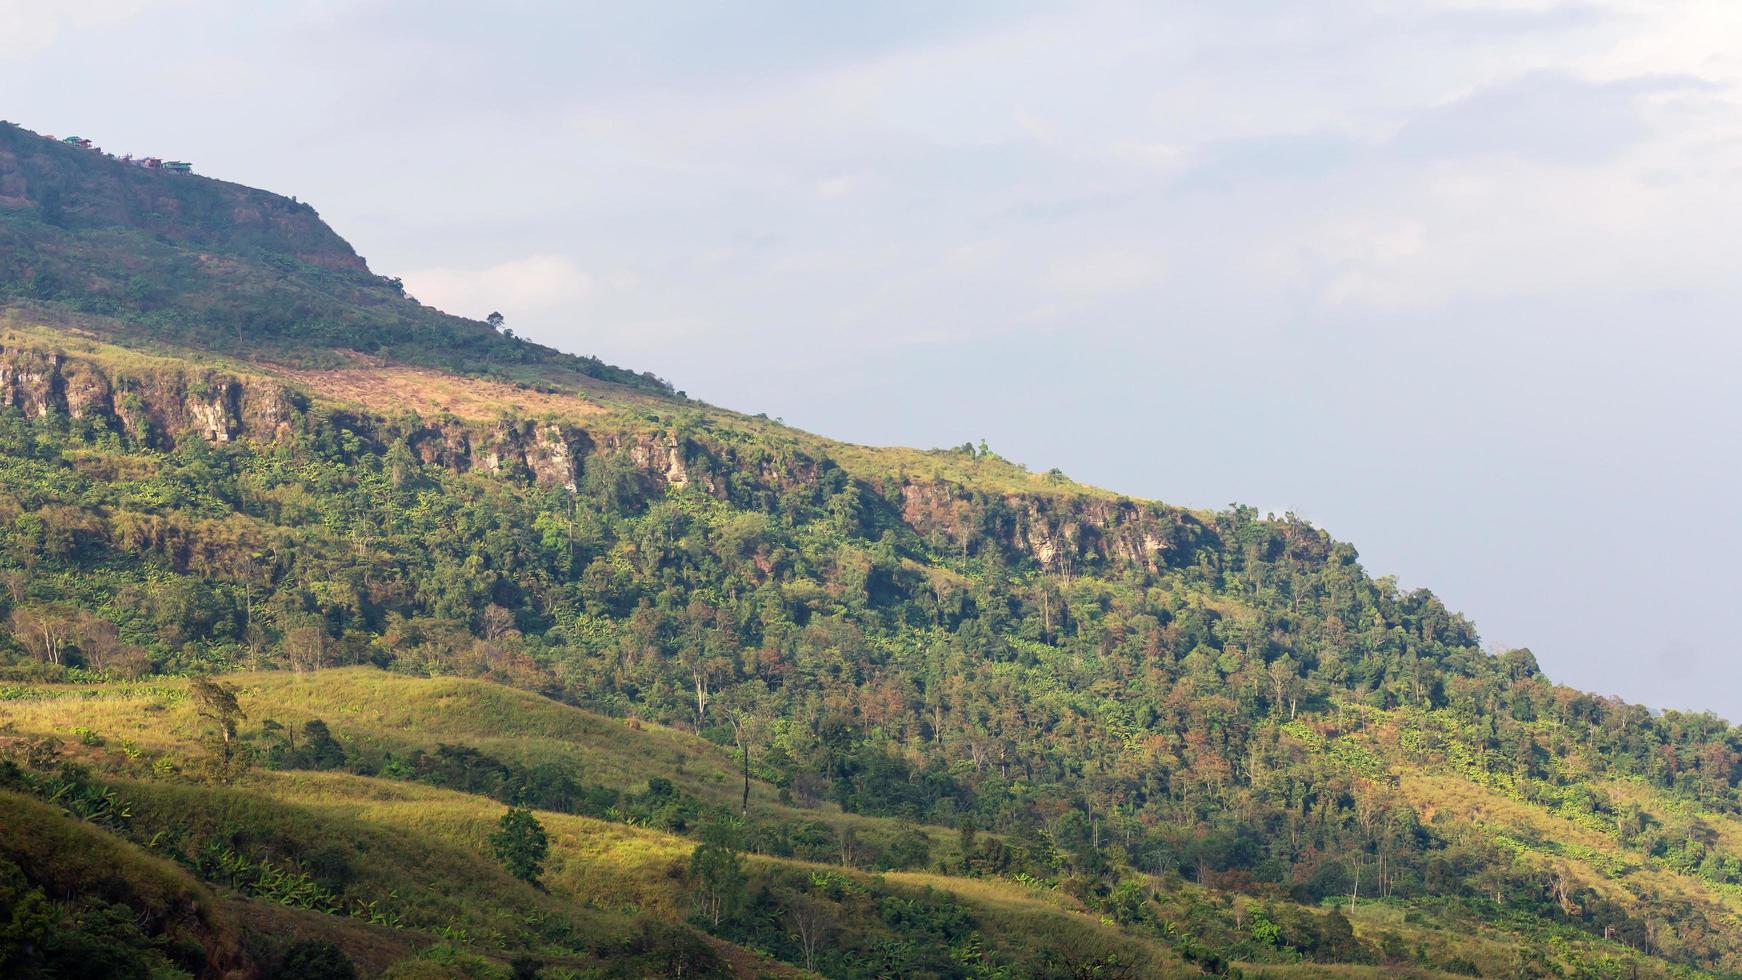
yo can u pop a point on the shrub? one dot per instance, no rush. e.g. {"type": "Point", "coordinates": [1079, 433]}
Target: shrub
{"type": "Point", "coordinates": [521, 845]}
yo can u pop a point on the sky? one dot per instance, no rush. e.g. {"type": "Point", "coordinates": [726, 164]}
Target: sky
{"type": "Point", "coordinates": [1456, 280]}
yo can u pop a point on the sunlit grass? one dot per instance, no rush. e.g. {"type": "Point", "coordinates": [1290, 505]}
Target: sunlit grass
{"type": "Point", "coordinates": [399, 713]}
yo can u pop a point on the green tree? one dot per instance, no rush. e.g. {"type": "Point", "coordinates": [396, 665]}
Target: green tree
{"type": "Point", "coordinates": [217, 706]}
{"type": "Point", "coordinates": [717, 872]}
{"type": "Point", "coordinates": [320, 749]}
{"type": "Point", "coordinates": [521, 845]}
{"type": "Point", "coordinates": [968, 832]}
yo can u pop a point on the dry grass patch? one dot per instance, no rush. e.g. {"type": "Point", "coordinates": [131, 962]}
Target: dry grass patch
{"type": "Point", "coordinates": [991, 891]}
{"type": "Point", "coordinates": [397, 388]}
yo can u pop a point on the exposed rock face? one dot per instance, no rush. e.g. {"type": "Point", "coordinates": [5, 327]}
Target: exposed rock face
{"type": "Point", "coordinates": [214, 406]}
{"type": "Point", "coordinates": [445, 443]}
{"type": "Point", "coordinates": [664, 457]}
{"type": "Point", "coordinates": [1062, 533]}
{"type": "Point", "coordinates": [31, 381]}
{"type": "Point", "coordinates": [267, 410]}
{"type": "Point", "coordinates": [87, 391]}
{"type": "Point", "coordinates": [157, 407]}
{"type": "Point", "coordinates": [555, 454]}
{"type": "Point", "coordinates": [501, 453]}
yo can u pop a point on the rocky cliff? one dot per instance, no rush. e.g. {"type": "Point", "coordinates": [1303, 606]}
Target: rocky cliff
{"type": "Point", "coordinates": [1063, 533]}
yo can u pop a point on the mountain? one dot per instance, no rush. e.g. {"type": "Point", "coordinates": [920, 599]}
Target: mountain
{"type": "Point", "coordinates": [168, 258]}
{"type": "Point", "coordinates": [307, 585]}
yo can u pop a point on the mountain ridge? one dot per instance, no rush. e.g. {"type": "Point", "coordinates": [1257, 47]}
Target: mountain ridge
{"type": "Point", "coordinates": [1212, 734]}
{"type": "Point", "coordinates": [186, 259]}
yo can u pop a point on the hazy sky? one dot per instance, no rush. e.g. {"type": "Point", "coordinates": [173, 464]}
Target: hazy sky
{"type": "Point", "coordinates": [1456, 280]}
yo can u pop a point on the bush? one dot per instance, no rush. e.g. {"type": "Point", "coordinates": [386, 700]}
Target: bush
{"type": "Point", "coordinates": [521, 845]}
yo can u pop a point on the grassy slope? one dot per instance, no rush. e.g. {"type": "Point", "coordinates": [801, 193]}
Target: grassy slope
{"type": "Point", "coordinates": [1439, 782]}
{"type": "Point", "coordinates": [66, 856]}
{"type": "Point", "coordinates": [399, 713]}
{"type": "Point", "coordinates": [423, 850]}
{"type": "Point", "coordinates": [1587, 845]}
{"type": "Point", "coordinates": [426, 851]}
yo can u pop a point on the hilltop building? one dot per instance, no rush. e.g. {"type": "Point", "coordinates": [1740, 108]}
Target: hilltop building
{"type": "Point", "coordinates": [143, 163]}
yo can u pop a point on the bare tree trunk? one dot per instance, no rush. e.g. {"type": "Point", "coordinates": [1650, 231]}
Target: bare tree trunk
{"type": "Point", "coordinates": [744, 744]}
{"type": "Point", "coordinates": [809, 922]}
{"type": "Point", "coordinates": [1355, 866]}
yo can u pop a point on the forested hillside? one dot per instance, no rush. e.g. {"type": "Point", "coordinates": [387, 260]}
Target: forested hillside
{"type": "Point", "coordinates": [1188, 741]}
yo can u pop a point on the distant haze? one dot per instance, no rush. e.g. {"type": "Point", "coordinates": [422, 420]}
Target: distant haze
{"type": "Point", "coordinates": [1458, 281]}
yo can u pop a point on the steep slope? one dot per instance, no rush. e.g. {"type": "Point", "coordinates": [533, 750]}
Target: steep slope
{"type": "Point", "coordinates": [134, 914]}
{"type": "Point", "coordinates": [1211, 731]}
{"type": "Point", "coordinates": [182, 259]}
